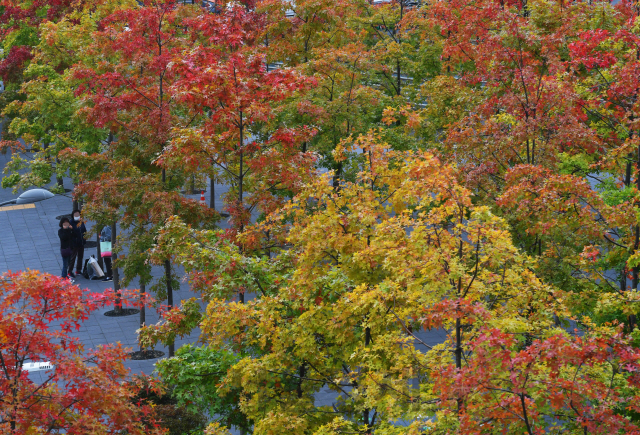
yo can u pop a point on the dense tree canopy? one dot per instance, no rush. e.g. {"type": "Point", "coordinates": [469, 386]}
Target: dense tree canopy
{"type": "Point", "coordinates": [396, 170]}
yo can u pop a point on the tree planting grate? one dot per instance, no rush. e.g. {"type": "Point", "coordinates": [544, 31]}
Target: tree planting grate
{"type": "Point", "coordinates": [122, 312]}
{"type": "Point", "coordinates": [145, 354]}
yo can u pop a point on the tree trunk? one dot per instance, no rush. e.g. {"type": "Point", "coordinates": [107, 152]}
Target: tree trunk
{"type": "Point", "coordinates": [76, 203]}
{"type": "Point", "coordinates": [59, 180]}
{"type": "Point", "coordinates": [458, 352]}
{"type": "Point", "coordinates": [212, 200]}
{"type": "Point", "coordinates": [241, 149]}
{"type": "Point", "coordinates": [167, 274]}
{"type": "Point", "coordinates": [114, 268]}
{"type": "Point", "coordinates": [142, 309]}
{"type": "Point", "coordinates": [241, 187]}
{"type": "Point", "coordinates": [366, 411]}
{"type": "Point", "coordinates": [458, 349]}
{"type": "Point", "coordinates": [399, 77]}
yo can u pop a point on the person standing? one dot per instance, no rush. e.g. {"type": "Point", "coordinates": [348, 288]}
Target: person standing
{"type": "Point", "coordinates": [67, 236]}
{"type": "Point", "coordinates": [105, 236]}
{"type": "Point", "coordinates": [77, 255]}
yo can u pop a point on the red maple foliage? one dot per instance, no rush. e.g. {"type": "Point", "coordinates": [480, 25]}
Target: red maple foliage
{"type": "Point", "coordinates": [516, 382]}
{"type": "Point", "coordinates": [129, 90]}
{"type": "Point", "coordinates": [11, 66]}
{"type": "Point", "coordinates": [589, 383]}
{"type": "Point", "coordinates": [224, 85]}
{"type": "Point", "coordinates": [84, 392]}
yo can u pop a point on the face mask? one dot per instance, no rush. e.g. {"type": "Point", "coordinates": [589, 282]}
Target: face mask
{"type": "Point", "coordinates": [76, 218]}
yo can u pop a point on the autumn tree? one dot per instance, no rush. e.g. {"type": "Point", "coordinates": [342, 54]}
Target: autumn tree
{"type": "Point", "coordinates": [576, 384]}
{"type": "Point", "coordinates": [226, 90]}
{"type": "Point", "coordinates": [483, 180]}
{"type": "Point", "coordinates": [47, 118]}
{"type": "Point", "coordinates": [19, 32]}
{"type": "Point", "coordinates": [398, 52]}
{"type": "Point", "coordinates": [362, 268]}
{"type": "Point", "coordinates": [342, 105]}
{"type": "Point", "coordinates": [84, 391]}
{"type": "Point", "coordinates": [322, 41]}
{"type": "Point", "coordinates": [140, 205]}
{"type": "Point", "coordinates": [292, 32]}
{"type": "Point", "coordinates": [529, 144]}
{"type": "Point", "coordinates": [21, 25]}
{"type": "Point", "coordinates": [604, 58]}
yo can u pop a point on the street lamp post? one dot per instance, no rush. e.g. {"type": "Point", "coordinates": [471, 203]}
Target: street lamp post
{"type": "Point", "coordinates": [31, 196]}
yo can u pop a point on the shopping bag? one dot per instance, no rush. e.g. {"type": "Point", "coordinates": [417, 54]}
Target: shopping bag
{"type": "Point", "coordinates": [97, 270]}
{"type": "Point", "coordinates": [105, 249]}
{"type": "Point", "coordinates": [96, 267]}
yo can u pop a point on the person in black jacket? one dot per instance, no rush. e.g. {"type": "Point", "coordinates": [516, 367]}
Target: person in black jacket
{"type": "Point", "coordinates": [67, 241]}
{"type": "Point", "coordinates": [79, 241]}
